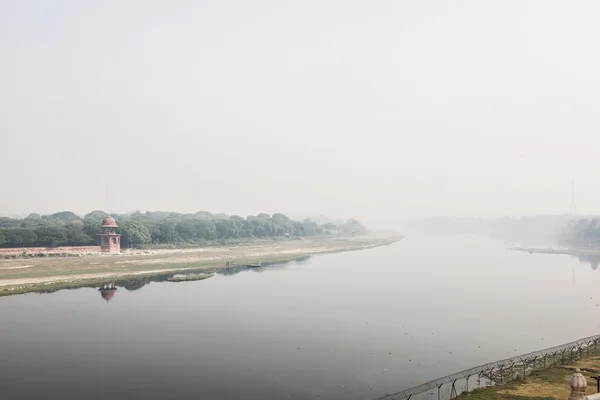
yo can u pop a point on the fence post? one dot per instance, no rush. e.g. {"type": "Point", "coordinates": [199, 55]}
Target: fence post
{"type": "Point", "coordinates": [453, 394]}
{"type": "Point", "coordinates": [587, 348]}
{"type": "Point", "coordinates": [578, 386]}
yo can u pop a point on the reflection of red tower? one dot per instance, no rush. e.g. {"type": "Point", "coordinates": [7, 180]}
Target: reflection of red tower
{"type": "Point", "coordinates": [108, 291]}
{"type": "Point", "coordinates": [110, 240]}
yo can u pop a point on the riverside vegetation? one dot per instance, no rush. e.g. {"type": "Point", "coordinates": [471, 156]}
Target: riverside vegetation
{"type": "Point", "coordinates": [159, 228]}
{"type": "Point", "coordinates": [581, 233]}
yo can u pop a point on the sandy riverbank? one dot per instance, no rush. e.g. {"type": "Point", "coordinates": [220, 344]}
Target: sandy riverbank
{"type": "Point", "coordinates": [32, 274]}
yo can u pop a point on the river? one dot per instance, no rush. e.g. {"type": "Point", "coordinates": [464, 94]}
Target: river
{"type": "Point", "coordinates": [351, 325]}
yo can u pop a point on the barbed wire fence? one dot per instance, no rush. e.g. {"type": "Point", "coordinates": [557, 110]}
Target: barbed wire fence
{"type": "Point", "coordinates": [503, 371]}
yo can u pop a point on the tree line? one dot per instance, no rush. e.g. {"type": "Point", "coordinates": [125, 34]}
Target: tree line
{"type": "Point", "coordinates": [582, 232]}
{"type": "Point", "coordinates": [139, 229]}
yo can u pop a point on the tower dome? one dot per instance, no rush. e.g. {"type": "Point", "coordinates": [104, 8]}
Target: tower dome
{"type": "Point", "coordinates": [109, 222]}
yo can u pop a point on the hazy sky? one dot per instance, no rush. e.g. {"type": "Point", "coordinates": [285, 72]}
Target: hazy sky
{"type": "Point", "coordinates": [345, 108]}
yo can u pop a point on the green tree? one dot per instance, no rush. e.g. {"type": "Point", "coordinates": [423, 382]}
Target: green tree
{"type": "Point", "coordinates": [204, 215]}
{"type": "Point", "coordinates": [138, 229]}
{"type": "Point", "coordinates": [205, 229]}
{"type": "Point", "coordinates": [224, 229]}
{"type": "Point", "coordinates": [95, 217]}
{"type": "Point", "coordinates": [6, 222]}
{"type": "Point", "coordinates": [167, 231]}
{"type": "Point", "coordinates": [19, 237]}
{"type": "Point", "coordinates": [92, 230]}
{"type": "Point", "coordinates": [51, 236]}
{"type": "Point", "coordinates": [134, 234]}
{"type": "Point", "coordinates": [77, 237]}
{"type": "Point", "coordinates": [352, 226]}
{"type": "Point", "coordinates": [186, 231]}
{"type": "Point", "coordinates": [64, 216]}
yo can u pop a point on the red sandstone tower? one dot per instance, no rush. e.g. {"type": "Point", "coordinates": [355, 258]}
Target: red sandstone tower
{"type": "Point", "coordinates": [110, 240]}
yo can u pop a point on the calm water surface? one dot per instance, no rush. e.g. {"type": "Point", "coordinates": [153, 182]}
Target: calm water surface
{"type": "Point", "coordinates": [344, 326]}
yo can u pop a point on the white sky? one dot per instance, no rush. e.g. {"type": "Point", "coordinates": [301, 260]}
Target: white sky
{"type": "Point", "coordinates": [372, 109]}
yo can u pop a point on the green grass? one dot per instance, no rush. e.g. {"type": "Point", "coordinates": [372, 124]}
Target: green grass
{"type": "Point", "coordinates": [551, 383]}
{"type": "Point", "coordinates": [490, 394]}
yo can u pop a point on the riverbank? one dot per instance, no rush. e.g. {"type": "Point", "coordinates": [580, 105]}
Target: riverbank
{"type": "Point", "coordinates": [567, 251]}
{"type": "Point", "coordinates": [35, 274]}
{"type": "Point", "coordinates": [552, 383]}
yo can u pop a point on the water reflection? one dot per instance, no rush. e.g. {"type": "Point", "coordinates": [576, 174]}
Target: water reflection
{"type": "Point", "coordinates": [236, 269]}
{"type": "Point", "coordinates": [593, 260]}
{"type": "Point", "coordinates": [108, 291]}
{"type": "Point", "coordinates": [138, 282]}
{"type": "Point", "coordinates": [348, 326]}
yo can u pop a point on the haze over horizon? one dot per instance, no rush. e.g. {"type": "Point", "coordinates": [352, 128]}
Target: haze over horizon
{"type": "Point", "coordinates": [378, 111]}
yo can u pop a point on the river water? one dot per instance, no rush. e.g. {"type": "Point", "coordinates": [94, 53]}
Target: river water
{"type": "Point", "coordinates": [352, 325]}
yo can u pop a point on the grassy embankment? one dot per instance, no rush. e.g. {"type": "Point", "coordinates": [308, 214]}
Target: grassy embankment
{"type": "Point", "coordinates": [552, 383]}
{"type": "Point", "coordinates": [35, 274]}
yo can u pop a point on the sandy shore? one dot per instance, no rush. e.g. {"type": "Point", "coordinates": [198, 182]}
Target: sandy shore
{"type": "Point", "coordinates": [31, 274]}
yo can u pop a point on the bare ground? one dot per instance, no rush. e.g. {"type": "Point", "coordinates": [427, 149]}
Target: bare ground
{"type": "Point", "coordinates": [30, 274]}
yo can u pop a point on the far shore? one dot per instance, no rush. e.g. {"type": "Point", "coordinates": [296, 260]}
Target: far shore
{"type": "Point", "coordinates": [22, 275]}
{"type": "Point", "coordinates": [567, 251]}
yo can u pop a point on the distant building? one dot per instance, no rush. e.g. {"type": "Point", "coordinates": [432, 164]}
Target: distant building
{"type": "Point", "coordinates": [110, 240]}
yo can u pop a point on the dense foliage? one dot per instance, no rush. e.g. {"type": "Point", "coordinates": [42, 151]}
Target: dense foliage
{"type": "Point", "coordinates": [138, 229]}
{"type": "Point", "coordinates": [583, 232]}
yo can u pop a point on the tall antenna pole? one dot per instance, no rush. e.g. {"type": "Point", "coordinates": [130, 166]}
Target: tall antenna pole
{"type": "Point", "coordinates": [573, 209]}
